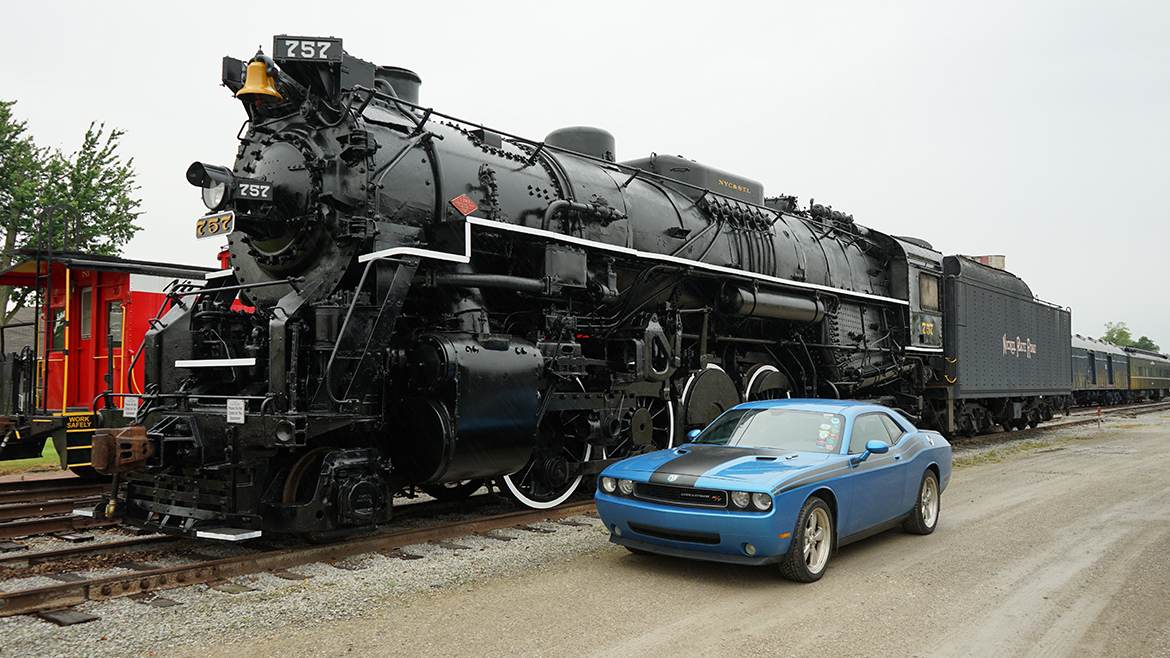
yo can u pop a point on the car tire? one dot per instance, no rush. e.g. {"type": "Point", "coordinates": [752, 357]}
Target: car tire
{"type": "Point", "coordinates": [812, 543]}
{"type": "Point", "coordinates": [924, 516]}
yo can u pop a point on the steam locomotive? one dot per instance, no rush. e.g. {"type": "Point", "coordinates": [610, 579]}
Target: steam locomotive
{"type": "Point", "coordinates": [434, 303]}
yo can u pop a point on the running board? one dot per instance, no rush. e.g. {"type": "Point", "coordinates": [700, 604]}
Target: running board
{"type": "Point", "coordinates": [227, 534]}
{"type": "Point", "coordinates": [215, 363]}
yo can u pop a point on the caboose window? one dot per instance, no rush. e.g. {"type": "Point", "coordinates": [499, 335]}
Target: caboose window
{"type": "Point", "coordinates": [114, 322]}
{"type": "Point", "coordinates": [928, 291]}
{"type": "Point", "coordinates": [58, 338]}
{"type": "Point", "coordinates": [86, 312]}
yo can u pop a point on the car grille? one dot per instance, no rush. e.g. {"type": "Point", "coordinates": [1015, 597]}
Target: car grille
{"type": "Point", "coordinates": [676, 535]}
{"type": "Point", "coordinates": [688, 496]}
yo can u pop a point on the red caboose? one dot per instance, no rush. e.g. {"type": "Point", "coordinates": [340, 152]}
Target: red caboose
{"type": "Point", "coordinates": [91, 315]}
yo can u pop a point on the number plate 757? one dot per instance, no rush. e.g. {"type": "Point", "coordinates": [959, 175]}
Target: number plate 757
{"type": "Point", "coordinates": [215, 225]}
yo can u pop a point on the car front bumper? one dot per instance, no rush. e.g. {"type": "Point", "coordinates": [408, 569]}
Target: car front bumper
{"type": "Point", "coordinates": [715, 535]}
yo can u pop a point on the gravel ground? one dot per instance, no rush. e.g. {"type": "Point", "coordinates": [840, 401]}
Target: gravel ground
{"type": "Point", "coordinates": [471, 601]}
{"type": "Point", "coordinates": [343, 591]}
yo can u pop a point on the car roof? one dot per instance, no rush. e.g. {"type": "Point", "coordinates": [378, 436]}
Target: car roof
{"type": "Point", "coordinates": [844, 407]}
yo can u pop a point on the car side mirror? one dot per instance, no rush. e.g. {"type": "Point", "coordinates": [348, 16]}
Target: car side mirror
{"type": "Point", "coordinates": [873, 447]}
{"type": "Point", "coordinates": [694, 434]}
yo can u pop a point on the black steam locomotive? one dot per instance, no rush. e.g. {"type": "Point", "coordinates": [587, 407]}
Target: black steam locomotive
{"type": "Point", "coordinates": [433, 303]}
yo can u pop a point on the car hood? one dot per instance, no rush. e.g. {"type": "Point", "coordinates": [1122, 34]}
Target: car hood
{"type": "Point", "coordinates": [686, 465]}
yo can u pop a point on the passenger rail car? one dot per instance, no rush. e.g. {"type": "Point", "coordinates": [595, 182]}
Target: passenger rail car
{"type": "Point", "coordinates": [1149, 374]}
{"type": "Point", "coordinates": [82, 342]}
{"type": "Point", "coordinates": [1100, 372]}
{"type": "Point", "coordinates": [438, 302]}
{"type": "Point", "coordinates": [1105, 374]}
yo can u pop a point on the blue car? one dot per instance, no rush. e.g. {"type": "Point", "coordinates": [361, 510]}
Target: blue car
{"type": "Point", "coordinates": [778, 482]}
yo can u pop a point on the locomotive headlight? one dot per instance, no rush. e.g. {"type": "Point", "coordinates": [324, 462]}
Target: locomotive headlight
{"type": "Point", "coordinates": [626, 486]}
{"type": "Point", "coordinates": [213, 195]}
{"type": "Point", "coordinates": [215, 181]}
{"type": "Point", "coordinates": [740, 498]}
{"type": "Point", "coordinates": [608, 485]}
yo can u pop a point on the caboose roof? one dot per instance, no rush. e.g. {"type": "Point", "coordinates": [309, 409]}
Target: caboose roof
{"type": "Point", "coordinates": [24, 272]}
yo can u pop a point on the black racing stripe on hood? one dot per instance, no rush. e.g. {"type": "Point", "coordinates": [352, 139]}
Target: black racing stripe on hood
{"type": "Point", "coordinates": [813, 476]}
{"type": "Point", "coordinates": [700, 459]}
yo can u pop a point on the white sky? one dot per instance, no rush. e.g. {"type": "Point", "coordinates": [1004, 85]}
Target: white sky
{"type": "Point", "coordinates": [1033, 129]}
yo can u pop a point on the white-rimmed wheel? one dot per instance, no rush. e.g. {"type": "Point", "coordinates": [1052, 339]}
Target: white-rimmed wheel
{"type": "Point", "coordinates": [543, 482]}
{"type": "Point", "coordinates": [812, 543]}
{"type": "Point", "coordinates": [765, 382]}
{"type": "Point", "coordinates": [925, 515]}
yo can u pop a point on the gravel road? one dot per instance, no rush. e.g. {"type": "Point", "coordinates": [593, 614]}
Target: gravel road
{"type": "Point", "coordinates": [1053, 545]}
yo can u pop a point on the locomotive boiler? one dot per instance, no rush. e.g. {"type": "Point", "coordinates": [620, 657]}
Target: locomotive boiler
{"type": "Point", "coordinates": [428, 302]}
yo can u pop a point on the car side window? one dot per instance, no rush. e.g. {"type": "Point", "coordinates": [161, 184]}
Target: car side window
{"type": "Point", "coordinates": [865, 429]}
{"type": "Point", "coordinates": [895, 430]}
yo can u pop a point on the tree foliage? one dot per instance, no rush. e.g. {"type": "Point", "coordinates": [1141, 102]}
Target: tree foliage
{"type": "Point", "coordinates": [1118, 334]}
{"type": "Point", "coordinates": [94, 180]}
{"type": "Point", "coordinates": [1144, 343]}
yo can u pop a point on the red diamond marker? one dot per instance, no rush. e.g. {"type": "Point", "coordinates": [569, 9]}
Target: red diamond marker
{"type": "Point", "coordinates": [464, 204]}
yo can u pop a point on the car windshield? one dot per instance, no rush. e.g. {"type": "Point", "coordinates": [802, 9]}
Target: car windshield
{"type": "Point", "coordinates": [782, 429]}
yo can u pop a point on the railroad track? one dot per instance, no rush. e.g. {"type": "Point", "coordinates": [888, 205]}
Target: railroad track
{"type": "Point", "coordinates": [49, 525]}
{"type": "Point", "coordinates": [32, 491]}
{"type": "Point", "coordinates": [1084, 416]}
{"type": "Point", "coordinates": [14, 561]}
{"type": "Point", "coordinates": [1087, 416]}
{"type": "Point", "coordinates": [1139, 407]}
{"type": "Point", "coordinates": [23, 564]}
{"type": "Point", "coordinates": [41, 506]}
{"type": "Point", "coordinates": [44, 508]}
{"type": "Point", "coordinates": [148, 579]}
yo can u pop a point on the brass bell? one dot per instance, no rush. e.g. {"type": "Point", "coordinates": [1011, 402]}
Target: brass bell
{"type": "Point", "coordinates": [259, 87]}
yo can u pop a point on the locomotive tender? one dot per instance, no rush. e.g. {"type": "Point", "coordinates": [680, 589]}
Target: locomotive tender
{"type": "Point", "coordinates": [437, 303]}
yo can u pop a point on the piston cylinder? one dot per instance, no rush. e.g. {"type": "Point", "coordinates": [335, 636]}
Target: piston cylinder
{"type": "Point", "coordinates": [476, 415]}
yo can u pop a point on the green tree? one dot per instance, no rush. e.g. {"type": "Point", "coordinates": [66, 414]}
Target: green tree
{"type": "Point", "coordinates": [1144, 343]}
{"type": "Point", "coordinates": [21, 185]}
{"type": "Point", "coordinates": [94, 180]}
{"type": "Point", "coordinates": [1117, 333]}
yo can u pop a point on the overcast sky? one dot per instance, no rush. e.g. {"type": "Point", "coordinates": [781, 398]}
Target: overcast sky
{"type": "Point", "coordinates": [1036, 130]}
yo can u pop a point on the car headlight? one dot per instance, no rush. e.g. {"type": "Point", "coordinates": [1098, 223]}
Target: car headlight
{"type": "Point", "coordinates": [762, 501]}
{"type": "Point", "coordinates": [608, 485]}
{"type": "Point", "coordinates": [740, 498]}
{"type": "Point", "coordinates": [626, 487]}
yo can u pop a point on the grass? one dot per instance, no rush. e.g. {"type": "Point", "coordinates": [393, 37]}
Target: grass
{"type": "Point", "coordinates": [48, 461]}
{"type": "Point", "coordinates": [997, 455]}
